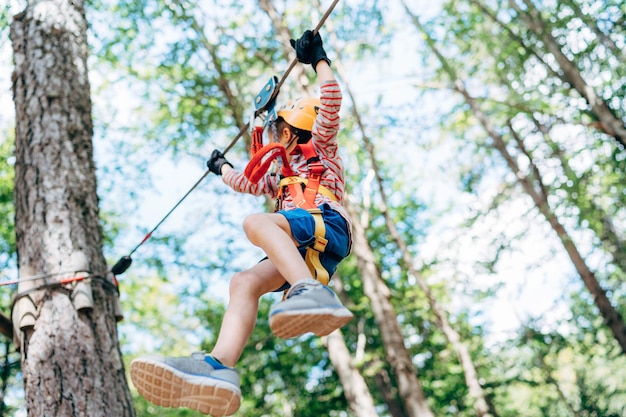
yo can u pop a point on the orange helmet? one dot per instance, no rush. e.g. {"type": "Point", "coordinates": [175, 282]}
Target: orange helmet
{"type": "Point", "coordinates": [301, 112]}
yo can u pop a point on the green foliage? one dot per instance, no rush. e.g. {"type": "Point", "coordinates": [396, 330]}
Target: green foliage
{"type": "Point", "coordinates": [549, 373]}
{"type": "Point", "coordinates": [551, 135]}
{"type": "Point", "coordinates": [193, 68]}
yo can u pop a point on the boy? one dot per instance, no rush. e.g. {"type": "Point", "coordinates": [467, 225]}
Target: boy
{"type": "Point", "coordinates": [304, 240]}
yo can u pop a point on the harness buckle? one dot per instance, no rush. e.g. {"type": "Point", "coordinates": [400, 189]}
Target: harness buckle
{"type": "Point", "coordinates": [320, 244]}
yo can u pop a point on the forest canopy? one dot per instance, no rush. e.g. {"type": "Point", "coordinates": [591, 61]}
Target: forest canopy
{"type": "Point", "coordinates": [485, 147]}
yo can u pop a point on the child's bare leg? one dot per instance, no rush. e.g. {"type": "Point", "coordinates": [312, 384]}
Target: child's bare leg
{"type": "Point", "coordinates": [272, 233]}
{"type": "Point", "coordinates": [238, 322]}
{"type": "Point", "coordinates": [309, 306]}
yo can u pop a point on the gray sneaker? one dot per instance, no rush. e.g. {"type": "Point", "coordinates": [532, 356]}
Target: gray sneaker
{"type": "Point", "coordinates": [309, 306]}
{"type": "Point", "coordinates": [198, 382]}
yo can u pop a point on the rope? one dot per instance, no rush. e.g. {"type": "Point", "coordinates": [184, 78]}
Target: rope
{"type": "Point", "coordinates": [147, 236]}
{"type": "Point", "coordinates": [35, 277]}
{"type": "Point", "coordinates": [62, 281]}
{"type": "Point", "coordinates": [107, 284]}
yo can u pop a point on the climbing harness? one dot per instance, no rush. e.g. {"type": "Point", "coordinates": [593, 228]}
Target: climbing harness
{"type": "Point", "coordinates": [266, 102]}
{"type": "Point", "coordinates": [303, 191]}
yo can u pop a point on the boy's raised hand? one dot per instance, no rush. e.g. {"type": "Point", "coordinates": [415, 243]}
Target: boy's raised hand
{"type": "Point", "coordinates": [309, 48]}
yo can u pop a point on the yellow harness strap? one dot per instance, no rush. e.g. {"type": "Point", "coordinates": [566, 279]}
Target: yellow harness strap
{"type": "Point", "coordinates": [285, 182]}
{"type": "Point", "coordinates": [312, 257]}
{"type": "Point", "coordinates": [303, 192]}
{"type": "Point", "coordinates": [306, 199]}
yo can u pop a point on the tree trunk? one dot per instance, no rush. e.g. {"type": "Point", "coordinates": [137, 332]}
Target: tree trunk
{"type": "Point", "coordinates": [469, 370]}
{"type": "Point", "coordinates": [612, 317]}
{"type": "Point", "coordinates": [354, 387]}
{"type": "Point", "coordinates": [592, 24]}
{"type": "Point", "coordinates": [409, 386]}
{"type": "Point", "coordinates": [71, 361]}
{"type": "Point", "coordinates": [383, 382]}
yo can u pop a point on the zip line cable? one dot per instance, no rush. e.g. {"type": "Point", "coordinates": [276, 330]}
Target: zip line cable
{"type": "Point", "coordinates": [283, 78]}
{"type": "Point", "coordinates": [125, 261]}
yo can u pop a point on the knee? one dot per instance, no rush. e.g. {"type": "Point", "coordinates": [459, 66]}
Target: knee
{"type": "Point", "coordinates": [252, 225]}
{"type": "Point", "coordinates": [242, 284]}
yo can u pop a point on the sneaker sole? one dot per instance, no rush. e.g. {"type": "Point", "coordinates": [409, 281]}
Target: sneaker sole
{"type": "Point", "coordinates": [321, 321]}
{"type": "Point", "coordinates": [168, 387]}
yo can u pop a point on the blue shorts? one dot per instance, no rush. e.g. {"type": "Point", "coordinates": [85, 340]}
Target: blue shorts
{"type": "Point", "coordinates": [303, 231]}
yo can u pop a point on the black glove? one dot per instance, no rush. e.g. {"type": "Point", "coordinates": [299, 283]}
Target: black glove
{"type": "Point", "coordinates": [216, 162]}
{"type": "Point", "coordinates": [309, 48]}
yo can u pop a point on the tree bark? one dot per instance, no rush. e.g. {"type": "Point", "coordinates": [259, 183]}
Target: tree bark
{"type": "Point", "coordinates": [71, 361]}
{"type": "Point", "coordinates": [397, 354]}
{"type": "Point", "coordinates": [354, 387]}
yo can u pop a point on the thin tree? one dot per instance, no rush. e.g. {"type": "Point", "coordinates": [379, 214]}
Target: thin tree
{"type": "Point", "coordinates": [592, 24]}
{"type": "Point", "coordinates": [608, 121]}
{"type": "Point", "coordinates": [537, 191]}
{"type": "Point", "coordinates": [355, 388]}
{"type": "Point", "coordinates": [397, 355]}
{"type": "Point", "coordinates": [441, 315]}
{"type": "Point", "coordinates": [409, 386]}
{"type": "Point", "coordinates": [597, 217]}
{"type": "Point", "coordinates": [71, 360]}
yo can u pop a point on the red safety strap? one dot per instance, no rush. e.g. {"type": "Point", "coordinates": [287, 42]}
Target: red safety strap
{"type": "Point", "coordinates": [316, 168]}
{"type": "Point", "coordinates": [257, 140]}
{"type": "Point", "coordinates": [262, 159]}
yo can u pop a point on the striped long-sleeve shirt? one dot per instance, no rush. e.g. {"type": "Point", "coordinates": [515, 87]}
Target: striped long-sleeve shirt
{"type": "Point", "coordinates": [324, 139]}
